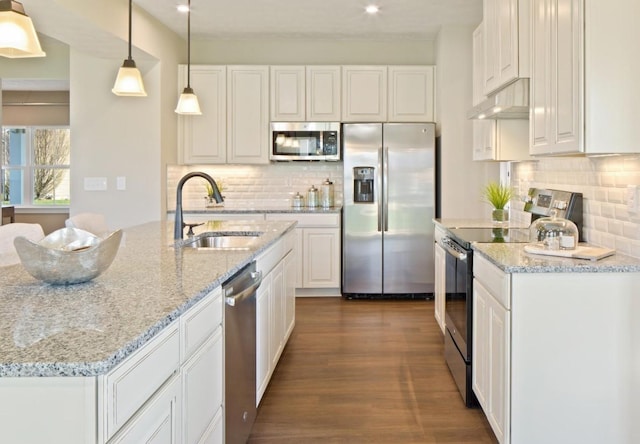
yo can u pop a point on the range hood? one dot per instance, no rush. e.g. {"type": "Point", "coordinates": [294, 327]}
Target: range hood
{"type": "Point", "coordinates": [510, 102]}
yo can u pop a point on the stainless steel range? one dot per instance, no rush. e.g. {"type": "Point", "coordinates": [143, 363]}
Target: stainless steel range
{"type": "Point", "coordinates": [459, 275]}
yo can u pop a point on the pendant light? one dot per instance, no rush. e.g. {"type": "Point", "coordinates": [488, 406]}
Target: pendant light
{"type": "Point", "coordinates": [188, 102]}
{"type": "Point", "coordinates": [129, 80]}
{"type": "Point", "coordinates": [18, 38]}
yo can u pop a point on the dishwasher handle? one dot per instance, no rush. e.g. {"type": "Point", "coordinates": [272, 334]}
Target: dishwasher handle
{"type": "Point", "coordinates": [236, 296]}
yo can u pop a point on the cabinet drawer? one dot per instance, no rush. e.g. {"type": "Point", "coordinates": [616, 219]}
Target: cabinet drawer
{"type": "Point", "coordinates": [130, 384]}
{"type": "Point", "coordinates": [495, 280]}
{"type": "Point", "coordinates": [308, 220]}
{"type": "Point", "coordinates": [271, 257]}
{"type": "Point", "coordinates": [199, 322]}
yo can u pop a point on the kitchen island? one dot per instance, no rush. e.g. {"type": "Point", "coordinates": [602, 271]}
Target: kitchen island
{"type": "Point", "coordinates": [556, 346]}
{"type": "Point", "coordinates": [60, 344]}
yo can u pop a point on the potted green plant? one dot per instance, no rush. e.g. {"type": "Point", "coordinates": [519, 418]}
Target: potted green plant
{"type": "Point", "coordinates": [210, 199]}
{"type": "Point", "coordinates": [498, 195]}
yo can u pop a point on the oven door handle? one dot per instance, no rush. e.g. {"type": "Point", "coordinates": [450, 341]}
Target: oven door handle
{"type": "Point", "coordinates": [460, 255]}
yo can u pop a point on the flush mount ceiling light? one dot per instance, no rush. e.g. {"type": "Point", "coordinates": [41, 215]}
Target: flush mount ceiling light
{"type": "Point", "coordinates": [188, 102]}
{"type": "Point", "coordinates": [18, 38]}
{"type": "Point", "coordinates": [372, 9]}
{"type": "Point", "coordinates": [129, 80]}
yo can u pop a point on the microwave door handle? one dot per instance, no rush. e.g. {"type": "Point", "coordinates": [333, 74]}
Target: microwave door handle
{"type": "Point", "coordinates": [378, 188]}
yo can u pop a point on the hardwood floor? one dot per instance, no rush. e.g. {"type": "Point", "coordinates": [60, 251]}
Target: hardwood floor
{"type": "Point", "coordinates": [365, 371]}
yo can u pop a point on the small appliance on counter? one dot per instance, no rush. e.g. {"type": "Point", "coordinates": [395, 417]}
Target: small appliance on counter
{"type": "Point", "coordinates": [456, 242]}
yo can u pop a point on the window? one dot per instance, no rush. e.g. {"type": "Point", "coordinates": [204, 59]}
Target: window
{"type": "Point", "coordinates": [35, 166]}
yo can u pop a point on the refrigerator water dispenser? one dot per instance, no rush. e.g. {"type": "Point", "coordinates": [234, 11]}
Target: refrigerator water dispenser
{"type": "Point", "coordinates": [363, 184]}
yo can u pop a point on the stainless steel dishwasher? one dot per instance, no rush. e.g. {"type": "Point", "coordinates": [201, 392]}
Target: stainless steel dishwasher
{"type": "Point", "coordinates": [240, 353]}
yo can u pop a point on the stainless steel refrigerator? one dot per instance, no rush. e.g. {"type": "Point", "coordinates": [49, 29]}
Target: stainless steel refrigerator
{"type": "Point", "coordinates": [389, 204]}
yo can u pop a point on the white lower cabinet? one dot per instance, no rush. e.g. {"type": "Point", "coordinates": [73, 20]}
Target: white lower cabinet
{"type": "Point", "coordinates": [158, 421]}
{"type": "Point", "coordinates": [554, 353]}
{"type": "Point", "coordinates": [318, 246]}
{"type": "Point", "coordinates": [275, 308]}
{"type": "Point", "coordinates": [491, 360]}
{"type": "Point", "coordinates": [439, 286]}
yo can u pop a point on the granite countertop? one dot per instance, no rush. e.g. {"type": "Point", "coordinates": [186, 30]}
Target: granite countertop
{"type": "Point", "coordinates": [477, 223]}
{"type": "Point", "coordinates": [87, 329]}
{"type": "Point", "coordinates": [511, 258]}
{"type": "Point", "coordinates": [259, 208]}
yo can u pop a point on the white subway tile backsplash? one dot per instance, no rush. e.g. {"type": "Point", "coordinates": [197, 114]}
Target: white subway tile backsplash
{"type": "Point", "coordinates": [246, 186]}
{"type": "Point", "coordinates": [603, 182]}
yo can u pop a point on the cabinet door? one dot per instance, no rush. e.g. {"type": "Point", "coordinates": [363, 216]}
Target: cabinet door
{"type": "Point", "coordinates": [158, 422]}
{"type": "Point", "coordinates": [263, 360]}
{"type": "Point", "coordinates": [439, 285]}
{"type": "Point", "coordinates": [484, 139]}
{"type": "Point", "coordinates": [290, 273]}
{"type": "Point", "coordinates": [323, 93]}
{"type": "Point", "coordinates": [411, 93]}
{"type": "Point", "coordinates": [276, 324]}
{"type": "Point", "coordinates": [248, 114]}
{"type": "Point", "coordinates": [321, 249]}
{"type": "Point", "coordinates": [202, 139]}
{"type": "Point", "coordinates": [364, 96]}
{"type": "Point", "coordinates": [557, 81]}
{"type": "Point", "coordinates": [505, 24]}
{"type": "Point", "coordinates": [478, 65]}
{"type": "Point", "coordinates": [287, 93]}
{"type": "Point", "coordinates": [491, 359]}
{"type": "Point", "coordinates": [202, 389]}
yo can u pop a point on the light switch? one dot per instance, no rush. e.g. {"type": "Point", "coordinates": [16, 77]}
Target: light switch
{"type": "Point", "coordinates": [95, 183]}
{"type": "Point", "coordinates": [121, 183]}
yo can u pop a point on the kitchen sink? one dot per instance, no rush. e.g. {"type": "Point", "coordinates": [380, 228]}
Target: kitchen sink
{"type": "Point", "coordinates": [224, 241]}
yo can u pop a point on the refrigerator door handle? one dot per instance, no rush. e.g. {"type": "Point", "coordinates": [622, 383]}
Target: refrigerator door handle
{"type": "Point", "coordinates": [385, 185]}
{"type": "Point", "coordinates": [379, 183]}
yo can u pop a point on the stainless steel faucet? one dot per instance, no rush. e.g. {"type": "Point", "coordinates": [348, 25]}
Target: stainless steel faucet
{"type": "Point", "coordinates": [179, 222]}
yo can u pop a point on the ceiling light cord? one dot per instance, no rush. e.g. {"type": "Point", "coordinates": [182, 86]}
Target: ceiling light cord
{"type": "Point", "coordinates": [189, 45]}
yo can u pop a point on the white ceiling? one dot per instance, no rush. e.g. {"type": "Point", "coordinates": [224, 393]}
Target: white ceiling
{"type": "Point", "coordinates": [317, 19]}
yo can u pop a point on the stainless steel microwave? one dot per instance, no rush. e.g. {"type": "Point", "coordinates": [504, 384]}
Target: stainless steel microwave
{"type": "Point", "coordinates": [305, 141]}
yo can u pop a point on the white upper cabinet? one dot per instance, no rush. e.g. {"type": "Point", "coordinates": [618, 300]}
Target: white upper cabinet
{"type": "Point", "coordinates": [411, 93]}
{"type": "Point", "coordinates": [584, 83]}
{"type": "Point", "coordinates": [388, 93]}
{"type": "Point", "coordinates": [287, 93]}
{"type": "Point", "coordinates": [364, 97]}
{"type": "Point", "coordinates": [506, 42]}
{"type": "Point", "coordinates": [300, 93]}
{"type": "Point", "coordinates": [500, 140]}
{"type": "Point", "coordinates": [202, 139]}
{"type": "Point", "coordinates": [248, 114]}
{"type": "Point", "coordinates": [323, 93]}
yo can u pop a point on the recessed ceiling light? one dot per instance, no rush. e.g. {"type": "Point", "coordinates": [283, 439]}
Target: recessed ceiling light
{"type": "Point", "coordinates": [372, 9]}
{"type": "Point", "coordinates": [183, 8]}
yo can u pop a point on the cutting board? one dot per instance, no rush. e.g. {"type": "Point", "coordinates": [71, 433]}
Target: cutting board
{"type": "Point", "coordinates": [581, 252]}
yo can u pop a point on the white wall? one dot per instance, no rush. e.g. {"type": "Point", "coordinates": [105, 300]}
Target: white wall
{"type": "Point", "coordinates": [461, 179]}
{"type": "Point", "coordinates": [115, 136]}
{"type": "Point", "coordinates": [316, 52]}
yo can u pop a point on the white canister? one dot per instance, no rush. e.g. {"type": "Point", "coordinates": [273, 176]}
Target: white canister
{"type": "Point", "coordinates": [326, 194]}
{"type": "Point", "coordinates": [312, 197]}
{"type": "Point", "coordinates": [297, 201]}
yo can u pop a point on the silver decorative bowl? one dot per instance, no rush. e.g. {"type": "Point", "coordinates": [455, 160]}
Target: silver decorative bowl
{"type": "Point", "coordinates": [68, 255]}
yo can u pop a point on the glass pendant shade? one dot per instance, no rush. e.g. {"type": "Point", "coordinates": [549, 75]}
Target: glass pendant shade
{"type": "Point", "coordinates": [18, 38]}
{"type": "Point", "coordinates": [129, 81]}
{"type": "Point", "coordinates": [188, 103]}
